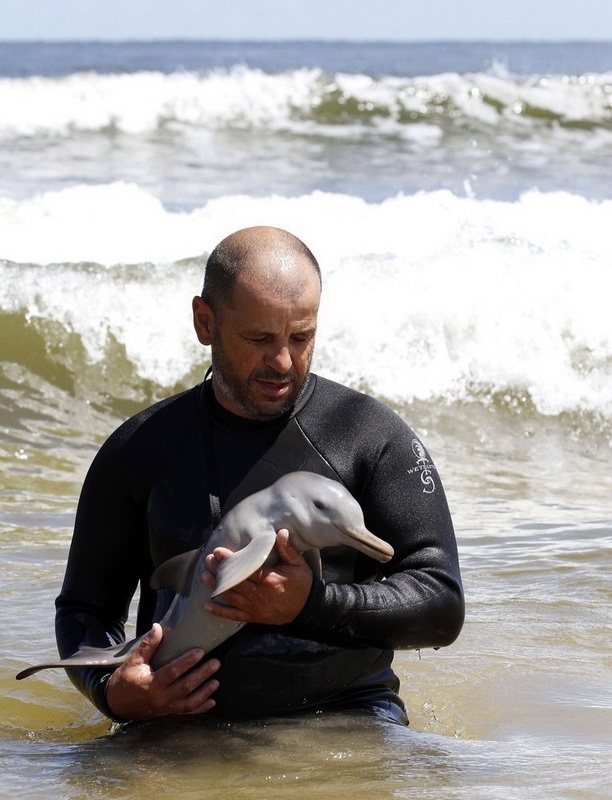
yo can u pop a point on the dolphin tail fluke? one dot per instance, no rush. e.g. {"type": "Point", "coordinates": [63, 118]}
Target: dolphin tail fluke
{"type": "Point", "coordinates": [85, 657]}
{"type": "Point", "coordinates": [243, 563]}
{"type": "Point", "coordinates": [25, 673]}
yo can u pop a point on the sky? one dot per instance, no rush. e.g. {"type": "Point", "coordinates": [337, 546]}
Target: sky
{"type": "Point", "coordinates": [399, 20]}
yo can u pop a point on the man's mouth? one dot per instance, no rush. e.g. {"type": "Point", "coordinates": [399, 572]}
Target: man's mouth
{"type": "Point", "coordinates": [274, 389]}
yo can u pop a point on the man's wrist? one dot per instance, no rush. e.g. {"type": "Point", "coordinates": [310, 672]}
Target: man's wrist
{"type": "Point", "coordinates": [310, 614]}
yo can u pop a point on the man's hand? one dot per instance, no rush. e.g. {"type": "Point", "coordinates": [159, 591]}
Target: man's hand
{"type": "Point", "coordinates": [272, 595]}
{"type": "Point", "coordinates": [135, 691]}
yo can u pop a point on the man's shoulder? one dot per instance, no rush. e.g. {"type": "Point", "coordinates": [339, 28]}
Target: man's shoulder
{"type": "Point", "coordinates": [352, 431]}
{"type": "Point", "coordinates": [335, 411]}
{"type": "Point", "coordinates": [141, 448]}
{"type": "Point", "coordinates": [172, 418]}
{"type": "Point", "coordinates": [343, 398]}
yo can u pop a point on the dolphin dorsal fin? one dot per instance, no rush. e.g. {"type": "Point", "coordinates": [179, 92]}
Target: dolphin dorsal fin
{"type": "Point", "coordinates": [237, 567]}
{"type": "Point", "coordinates": [176, 573]}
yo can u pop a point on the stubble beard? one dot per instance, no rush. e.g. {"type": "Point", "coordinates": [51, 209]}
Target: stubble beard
{"type": "Point", "coordinates": [239, 391]}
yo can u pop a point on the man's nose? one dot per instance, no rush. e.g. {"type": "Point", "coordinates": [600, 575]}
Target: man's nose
{"type": "Point", "coordinates": [279, 358]}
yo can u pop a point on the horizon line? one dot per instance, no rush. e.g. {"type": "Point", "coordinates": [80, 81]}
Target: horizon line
{"type": "Point", "coordinates": [306, 40]}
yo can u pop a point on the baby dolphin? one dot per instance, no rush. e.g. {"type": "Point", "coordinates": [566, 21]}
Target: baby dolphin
{"type": "Point", "coordinates": [317, 512]}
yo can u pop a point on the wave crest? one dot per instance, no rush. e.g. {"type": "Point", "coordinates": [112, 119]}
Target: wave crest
{"type": "Point", "coordinates": [302, 101]}
{"type": "Point", "coordinates": [441, 298]}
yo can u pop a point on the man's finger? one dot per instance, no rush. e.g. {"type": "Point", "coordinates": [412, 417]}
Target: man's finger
{"type": "Point", "coordinates": [286, 551]}
{"type": "Point", "coordinates": [148, 645]}
{"type": "Point", "coordinates": [176, 669]}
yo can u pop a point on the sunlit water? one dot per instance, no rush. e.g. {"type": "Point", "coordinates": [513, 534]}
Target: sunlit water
{"type": "Point", "coordinates": [460, 212]}
{"type": "Point", "coordinates": [520, 706]}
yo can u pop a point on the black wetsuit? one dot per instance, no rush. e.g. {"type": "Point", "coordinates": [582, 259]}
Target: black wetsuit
{"type": "Point", "coordinates": [147, 497]}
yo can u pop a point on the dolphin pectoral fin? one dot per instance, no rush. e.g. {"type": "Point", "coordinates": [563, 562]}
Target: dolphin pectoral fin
{"type": "Point", "coordinates": [86, 657]}
{"type": "Point", "coordinates": [176, 573]}
{"type": "Point", "coordinates": [237, 567]}
{"type": "Point", "coordinates": [313, 559]}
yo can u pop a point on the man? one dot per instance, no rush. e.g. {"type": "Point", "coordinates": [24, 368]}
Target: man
{"type": "Point", "coordinates": [164, 478]}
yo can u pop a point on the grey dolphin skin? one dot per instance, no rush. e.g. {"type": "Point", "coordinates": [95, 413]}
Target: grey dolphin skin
{"type": "Point", "coordinates": [317, 512]}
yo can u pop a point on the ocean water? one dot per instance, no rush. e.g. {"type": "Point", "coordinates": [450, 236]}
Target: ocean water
{"type": "Point", "coordinates": [458, 199]}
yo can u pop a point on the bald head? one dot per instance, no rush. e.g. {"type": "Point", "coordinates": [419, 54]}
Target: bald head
{"type": "Point", "coordinates": [272, 258]}
{"type": "Point", "coordinates": [258, 313]}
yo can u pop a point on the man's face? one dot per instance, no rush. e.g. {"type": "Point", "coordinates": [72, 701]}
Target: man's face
{"type": "Point", "coordinates": [262, 348]}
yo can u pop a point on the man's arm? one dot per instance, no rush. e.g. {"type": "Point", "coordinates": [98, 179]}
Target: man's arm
{"type": "Point", "coordinates": [419, 604]}
{"type": "Point", "coordinates": [108, 557]}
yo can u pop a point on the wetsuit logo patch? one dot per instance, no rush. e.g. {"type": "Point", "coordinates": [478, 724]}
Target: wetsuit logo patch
{"type": "Point", "coordinates": [424, 466]}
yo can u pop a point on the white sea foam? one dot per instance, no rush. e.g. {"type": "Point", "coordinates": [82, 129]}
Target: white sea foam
{"type": "Point", "coordinates": [142, 102]}
{"type": "Point", "coordinates": [297, 100]}
{"type": "Point", "coordinates": [426, 296]}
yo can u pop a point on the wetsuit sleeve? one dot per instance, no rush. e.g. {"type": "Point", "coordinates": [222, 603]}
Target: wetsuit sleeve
{"type": "Point", "coordinates": [420, 602]}
{"type": "Point", "coordinates": [105, 564]}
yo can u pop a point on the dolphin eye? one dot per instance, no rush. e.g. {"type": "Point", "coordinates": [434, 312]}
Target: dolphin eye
{"type": "Point", "coordinates": [319, 504]}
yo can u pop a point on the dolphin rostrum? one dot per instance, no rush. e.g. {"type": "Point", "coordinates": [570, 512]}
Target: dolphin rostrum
{"type": "Point", "coordinates": [317, 512]}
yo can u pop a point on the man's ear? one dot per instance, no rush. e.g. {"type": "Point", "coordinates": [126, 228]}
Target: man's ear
{"type": "Point", "coordinates": [203, 320]}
